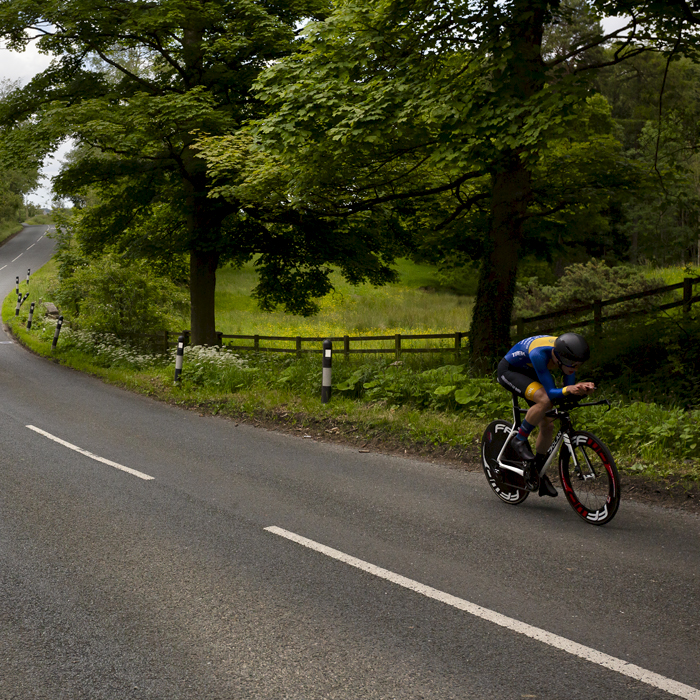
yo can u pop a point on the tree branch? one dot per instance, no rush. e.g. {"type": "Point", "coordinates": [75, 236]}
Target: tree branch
{"type": "Point", "coordinates": [368, 204]}
{"type": "Point", "coordinates": [464, 206]}
{"type": "Point", "coordinates": [661, 97]}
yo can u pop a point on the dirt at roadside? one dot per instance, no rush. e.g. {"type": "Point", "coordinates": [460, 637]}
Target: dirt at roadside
{"type": "Point", "coordinates": [669, 493]}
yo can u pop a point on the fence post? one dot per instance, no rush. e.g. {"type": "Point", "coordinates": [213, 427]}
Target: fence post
{"type": "Point", "coordinates": [186, 335]}
{"type": "Point", "coordinates": [55, 335]}
{"type": "Point", "coordinates": [256, 343]}
{"type": "Point", "coordinates": [346, 346]}
{"type": "Point", "coordinates": [220, 338]}
{"type": "Point", "coordinates": [179, 354]}
{"type": "Point", "coordinates": [520, 326]}
{"type": "Point", "coordinates": [598, 318]}
{"type": "Point", "coordinates": [298, 339]}
{"type": "Point", "coordinates": [397, 345]}
{"type": "Point", "coordinates": [458, 343]}
{"type": "Point", "coordinates": [687, 293]}
{"type": "Point", "coordinates": [31, 316]}
{"type": "Point", "coordinates": [327, 365]}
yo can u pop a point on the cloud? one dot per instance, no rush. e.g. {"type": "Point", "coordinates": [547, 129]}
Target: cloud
{"type": "Point", "coordinates": [23, 66]}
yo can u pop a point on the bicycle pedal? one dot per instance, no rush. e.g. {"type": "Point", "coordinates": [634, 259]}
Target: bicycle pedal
{"type": "Point", "coordinates": [532, 479]}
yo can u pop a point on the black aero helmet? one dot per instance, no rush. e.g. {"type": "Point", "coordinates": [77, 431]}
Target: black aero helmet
{"type": "Point", "coordinates": [572, 347]}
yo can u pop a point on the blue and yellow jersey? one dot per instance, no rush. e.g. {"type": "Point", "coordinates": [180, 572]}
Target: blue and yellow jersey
{"type": "Point", "coordinates": [535, 353]}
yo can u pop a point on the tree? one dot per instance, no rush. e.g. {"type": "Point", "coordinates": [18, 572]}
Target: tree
{"type": "Point", "coordinates": [662, 135]}
{"type": "Point", "coordinates": [16, 182]}
{"type": "Point", "coordinates": [447, 104]}
{"type": "Point", "coordinates": [135, 84]}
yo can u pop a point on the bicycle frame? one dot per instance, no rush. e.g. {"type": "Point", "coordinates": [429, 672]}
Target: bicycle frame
{"type": "Point", "coordinates": [562, 436]}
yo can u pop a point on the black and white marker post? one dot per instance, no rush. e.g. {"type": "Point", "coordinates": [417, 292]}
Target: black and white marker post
{"type": "Point", "coordinates": [178, 357]}
{"type": "Point", "coordinates": [327, 364]}
{"type": "Point", "coordinates": [59, 323]}
{"type": "Point", "coordinates": [17, 284]}
{"type": "Point", "coordinates": [19, 303]}
{"type": "Point", "coordinates": [31, 316]}
{"type": "Point", "coordinates": [29, 272]}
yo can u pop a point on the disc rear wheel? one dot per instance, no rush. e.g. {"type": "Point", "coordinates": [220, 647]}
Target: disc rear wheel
{"type": "Point", "coordinates": [502, 481]}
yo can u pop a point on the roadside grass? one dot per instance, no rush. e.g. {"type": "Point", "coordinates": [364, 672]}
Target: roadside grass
{"type": "Point", "coordinates": [425, 404]}
{"type": "Point", "coordinates": [8, 228]}
{"type": "Point", "coordinates": [40, 219]}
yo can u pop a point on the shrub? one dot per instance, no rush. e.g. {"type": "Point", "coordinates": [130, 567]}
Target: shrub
{"type": "Point", "coordinates": [123, 299]}
{"type": "Point", "coordinates": [655, 359]}
{"type": "Point", "coordinates": [582, 284]}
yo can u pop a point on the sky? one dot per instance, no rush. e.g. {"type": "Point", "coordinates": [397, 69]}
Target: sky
{"type": "Point", "coordinates": [23, 66]}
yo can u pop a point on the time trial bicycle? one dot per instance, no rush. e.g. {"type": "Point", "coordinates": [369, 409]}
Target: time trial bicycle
{"type": "Point", "coordinates": [587, 469]}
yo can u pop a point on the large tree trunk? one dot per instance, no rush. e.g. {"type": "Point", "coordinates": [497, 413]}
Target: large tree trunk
{"type": "Point", "coordinates": [203, 266]}
{"type": "Point", "coordinates": [522, 76]}
{"type": "Point", "coordinates": [204, 219]}
{"type": "Point", "coordinates": [490, 328]}
{"type": "Point", "coordinates": [204, 215]}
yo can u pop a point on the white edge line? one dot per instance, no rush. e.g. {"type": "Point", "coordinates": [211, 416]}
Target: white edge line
{"type": "Point", "coordinates": [610, 662]}
{"type": "Point", "coordinates": [97, 458]}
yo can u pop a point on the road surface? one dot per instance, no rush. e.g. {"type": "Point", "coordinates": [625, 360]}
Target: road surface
{"type": "Point", "coordinates": [148, 552]}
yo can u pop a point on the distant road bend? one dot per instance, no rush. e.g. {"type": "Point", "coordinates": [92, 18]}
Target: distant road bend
{"type": "Point", "coordinates": [148, 552]}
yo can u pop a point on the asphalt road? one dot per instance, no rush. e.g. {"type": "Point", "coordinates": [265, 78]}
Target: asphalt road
{"type": "Point", "coordinates": [166, 582]}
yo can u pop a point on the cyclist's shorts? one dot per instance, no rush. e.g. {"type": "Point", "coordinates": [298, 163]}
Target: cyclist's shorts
{"type": "Point", "coordinates": [522, 381]}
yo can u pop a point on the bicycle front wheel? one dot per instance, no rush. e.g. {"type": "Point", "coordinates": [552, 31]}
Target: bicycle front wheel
{"type": "Point", "coordinates": [589, 477]}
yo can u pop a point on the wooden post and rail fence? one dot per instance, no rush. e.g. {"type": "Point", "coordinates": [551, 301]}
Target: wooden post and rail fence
{"type": "Point", "coordinates": [397, 343]}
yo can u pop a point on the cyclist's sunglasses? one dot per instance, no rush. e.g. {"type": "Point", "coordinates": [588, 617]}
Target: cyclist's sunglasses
{"type": "Point", "coordinates": [570, 365]}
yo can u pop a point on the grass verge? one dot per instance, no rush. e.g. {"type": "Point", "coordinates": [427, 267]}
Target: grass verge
{"type": "Point", "coordinates": [8, 229]}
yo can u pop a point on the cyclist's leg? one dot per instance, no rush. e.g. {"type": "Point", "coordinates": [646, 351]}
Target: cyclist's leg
{"type": "Point", "coordinates": [539, 405]}
{"type": "Point", "coordinates": [521, 382]}
{"type": "Point", "coordinates": [517, 381]}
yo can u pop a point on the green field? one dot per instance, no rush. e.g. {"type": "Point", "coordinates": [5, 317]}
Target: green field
{"type": "Point", "coordinates": [415, 304]}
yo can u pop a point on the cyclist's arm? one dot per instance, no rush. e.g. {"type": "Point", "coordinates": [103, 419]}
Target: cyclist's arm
{"type": "Point", "coordinates": [539, 358]}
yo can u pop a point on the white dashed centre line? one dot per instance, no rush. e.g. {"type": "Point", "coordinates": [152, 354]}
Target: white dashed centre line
{"type": "Point", "coordinates": [97, 458]}
{"type": "Point", "coordinates": [610, 662]}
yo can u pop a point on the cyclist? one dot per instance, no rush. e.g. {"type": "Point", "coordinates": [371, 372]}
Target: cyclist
{"type": "Point", "coordinates": [526, 370]}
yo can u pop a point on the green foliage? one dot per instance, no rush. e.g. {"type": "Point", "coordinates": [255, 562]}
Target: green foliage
{"type": "Point", "coordinates": [659, 218]}
{"type": "Point", "coordinates": [123, 299]}
{"type": "Point", "coordinates": [656, 359]}
{"type": "Point", "coordinates": [582, 284]}
{"type": "Point", "coordinates": [447, 387]}
{"type": "Point", "coordinates": [647, 430]}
